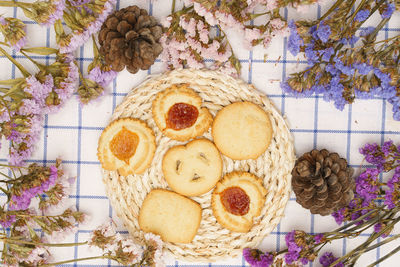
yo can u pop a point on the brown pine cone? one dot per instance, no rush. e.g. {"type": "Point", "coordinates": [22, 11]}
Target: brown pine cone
{"type": "Point", "coordinates": [129, 37]}
{"type": "Point", "coordinates": [322, 182]}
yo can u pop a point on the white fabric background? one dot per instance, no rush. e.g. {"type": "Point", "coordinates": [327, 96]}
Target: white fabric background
{"type": "Point", "coordinates": [72, 133]}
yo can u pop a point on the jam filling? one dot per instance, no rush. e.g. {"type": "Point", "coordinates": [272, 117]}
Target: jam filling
{"type": "Point", "coordinates": [124, 144]}
{"type": "Point", "coordinates": [181, 116]}
{"type": "Point", "coordinates": [235, 200]}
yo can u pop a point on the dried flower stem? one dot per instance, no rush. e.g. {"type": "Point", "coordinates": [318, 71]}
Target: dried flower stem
{"type": "Point", "coordinates": [173, 6]}
{"type": "Point", "coordinates": [75, 260]}
{"type": "Point", "coordinates": [394, 251]}
{"type": "Point", "coordinates": [330, 10]}
{"type": "Point", "coordinates": [16, 63]}
{"type": "Point", "coordinates": [18, 241]}
{"type": "Point", "coordinates": [361, 248]}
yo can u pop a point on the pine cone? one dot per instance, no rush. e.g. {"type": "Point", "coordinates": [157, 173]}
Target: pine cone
{"type": "Point", "coordinates": [322, 182]}
{"type": "Point", "coordinates": [129, 37]}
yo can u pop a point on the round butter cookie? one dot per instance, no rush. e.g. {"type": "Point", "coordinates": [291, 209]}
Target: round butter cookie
{"type": "Point", "coordinates": [178, 113]}
{"type": "Point", "coordinates": [192, 169]}
{"type": "Point", "coordinates": [126, 145]}
{"type": "Point", "coordinates": [237, 199]}
{"type": "Point", "coordinates": [242, 130]}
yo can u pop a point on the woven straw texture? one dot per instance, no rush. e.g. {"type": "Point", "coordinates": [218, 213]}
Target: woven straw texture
{"type": "Point", "coordinates": [212, 242]}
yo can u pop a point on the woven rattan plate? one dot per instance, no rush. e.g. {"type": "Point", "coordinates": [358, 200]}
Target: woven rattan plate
{"type": "Point", "coordinates": [212, 241]}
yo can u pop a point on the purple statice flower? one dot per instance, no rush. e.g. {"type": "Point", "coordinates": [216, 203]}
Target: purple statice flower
{"type": "Point", "coordinates": [387, 13]}
{"type": "Point", "coordinates": [251, 256]}
{"type": "Point", "coordinates": [392, 195]}
{"type": "Point", "coordinates": [79, 2]}
{"type": "Point", "coordinates": [305, 93]}
{"type": "Point", "coordinates": [295, 41]}
{"type": "Point", "coordinates": [335, 93]}
{"type": "Point", "coordinates": [23, 142]}
{"type": "Point", "coordinates": [23, 199]}
{"type": "Point", "coordinates": [387, 147]}
{"type": "Point", "coordinates": [64, 88]}
{"type": "Point", "coordinates": [7, 221]}
{"type": "Point", "coordinates": [384, 77]}
{"type": "Point", "coordinates": [369, 151]}
{"type": "Point", "coordinates": [318, 238]}
{"type": "Point", "coordinates": [257, 258]}
{"type": "Point", "coordinates": [58, 11]}
{"type": "Point", "coordinates": [367, 31]}
{"type": "Point", "coordinates": [362, 15]}
{"type": "Point", "coordinates": [267, 259]}
{"type": "Point", "coordinates": [18, 45]}
{"type": "Point", "coordinates": [323, 32]}
{"type": "Point", "coordinates": [363, 68]}
{"type": "Point", "coordinates": [327, 53]}
{"type": "Point", "coordinates": [5, 115]}
{"type": "Point", "coordinates": [344, 68]}
{"type": "Point", "coordinates": [339, 216]}
{"type": "Point", "coordinates": [311, 54]}
{"type": "Point", "coordinates": [395, 101]}
{"type": "Point", "coordinates": [327, 259]}
{"type": "Point", "coordinates": [377, 227]}
{"type": "Point", "coordinates": [80, 37]}
{"type": "Point", "coordinates": [102, 77]}
{"type": "Point", "coordinates": [294, 250]}
{"type": "Point", "coordinates": [37, 93]}
{"type": "Point", "coordinates": [332, 69]}
{"type": "Point", "coordinates": [366, 185]}
{"type": "Point", "coordinates": [3, 21]}
{"type": "Point", "coordinates": [350, 41]}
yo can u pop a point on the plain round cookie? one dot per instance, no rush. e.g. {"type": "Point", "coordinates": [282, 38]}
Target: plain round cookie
{"type": "Point", "coordinates": [242, 130]}
{"type": "Point", "coordinates": [174, 217]}
{"type": "Point", "coordinates": [192, 169]}
{"type": "Point", "coordinates": [252, 186]}
{"type": "Point", "coordinates": [141, 150]}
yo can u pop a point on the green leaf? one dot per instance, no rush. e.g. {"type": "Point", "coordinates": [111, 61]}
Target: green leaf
{"type": "Point", "coordinates": [11, 81]}
{"type": "Point", "coordinates": [44, 51]}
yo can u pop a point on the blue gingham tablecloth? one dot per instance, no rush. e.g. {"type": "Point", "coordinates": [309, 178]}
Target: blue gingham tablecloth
{"type": "Point", "coordinates": [72, 133]}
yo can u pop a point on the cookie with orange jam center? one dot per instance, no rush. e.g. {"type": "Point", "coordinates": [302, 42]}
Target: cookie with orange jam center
{"type": "Point", "coordinates": [126, 145]}
{"type": "Point", "coordinates": [179, 114]}
{"type": "Point", "coordinates": [237, 199]}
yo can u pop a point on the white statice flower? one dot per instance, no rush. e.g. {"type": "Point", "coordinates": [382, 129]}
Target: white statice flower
{"type": "Point", "coordinates": [158, 244]}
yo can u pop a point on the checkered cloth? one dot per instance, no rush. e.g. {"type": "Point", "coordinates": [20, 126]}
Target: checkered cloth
{"type": "Point", "coordinates": [72, 133]}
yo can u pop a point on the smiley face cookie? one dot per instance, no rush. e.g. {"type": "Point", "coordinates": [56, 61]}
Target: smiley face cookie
{"type": "Point", "coordinates": [192, 169]}
{"type": "Point", "coordinates": [126, 145]}
{"type": "Point", "coordinates": [237, 199]}
{"type": "Point", "coordinates": [178, 113]}
{"type": "Point", "coordinates": [242, 130]}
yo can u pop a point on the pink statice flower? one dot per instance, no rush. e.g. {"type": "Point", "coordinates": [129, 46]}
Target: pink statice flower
{"type": "Point", "coordinates": [23, 143]}
{"type": "Point", "coordinates": [79, 37]}
{"type": "Point", "coordinates": [251, 35]}
{"type": "Point", "coordinates": [57, 11]}
{"type": "Point", "coordinates": [207, 14]}
{"type": "Point", "coordinates": [156, 244]}
{"type": "Point", "coordinates": [22, 195]}
{"type": "Point", "coordinates": [14, 32]}
{"type": "Point", "coordinates": [37, 94]}
{"type": "Point", "coordinates": [68, 85]}
{"type": "Point", "coordinates": [101, 77]}
{"type": "Point", "coordinates": [166, 22]}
